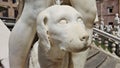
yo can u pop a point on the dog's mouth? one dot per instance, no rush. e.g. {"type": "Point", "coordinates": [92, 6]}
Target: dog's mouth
{"type": "Point", "coordinates": [78, 49]}
{"type": "Point", "coordinates": [71, 46]}
{"type": "Point", "coordinates": [75, 49]}
{"type": "Point", "coordinates": [85, 47]}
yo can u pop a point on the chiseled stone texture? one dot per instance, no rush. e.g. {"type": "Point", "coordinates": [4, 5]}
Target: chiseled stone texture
{"type": "Point", "coordinates": [4, 37]}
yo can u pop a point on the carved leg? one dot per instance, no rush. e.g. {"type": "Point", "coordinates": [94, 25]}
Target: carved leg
{"type": "Point", "coordinates": [23, 33]}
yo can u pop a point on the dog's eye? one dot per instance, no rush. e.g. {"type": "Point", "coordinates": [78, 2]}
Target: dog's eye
{"type": "Point", "coordinates": [63, 21]}
{"type": "Point", "coordinates": [79, 20]}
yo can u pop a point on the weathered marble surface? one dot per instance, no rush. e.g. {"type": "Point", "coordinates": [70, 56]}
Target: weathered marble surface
{"type": "Point", "coordinates": [4, 38]}
{"type": "Point", "coordinates": [60, 33]}
{"type": "Point", "coordinates": [24, 31]}
{"type": "Point", "coordinates": [97, 58]}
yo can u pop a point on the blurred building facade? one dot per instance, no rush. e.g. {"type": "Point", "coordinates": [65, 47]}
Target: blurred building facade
{"type": "Point", "coordinates": [8, 9]}
{"type": "Point", "coordinates": [107, 10]}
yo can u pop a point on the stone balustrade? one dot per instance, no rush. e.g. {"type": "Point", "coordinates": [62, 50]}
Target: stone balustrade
{"type": "Point", "coordinates": [107, 41]}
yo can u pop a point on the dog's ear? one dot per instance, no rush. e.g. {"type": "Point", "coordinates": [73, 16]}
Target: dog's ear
{"type": "Point", "coordinates": [42, 31]}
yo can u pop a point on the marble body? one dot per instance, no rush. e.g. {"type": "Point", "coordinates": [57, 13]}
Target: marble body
{"type": "Point", "coordinates": [4, 38]}
{"type": "Point", "coordinates": [24, 31]}
{"type": "Point", "coordinates": [59, 34]}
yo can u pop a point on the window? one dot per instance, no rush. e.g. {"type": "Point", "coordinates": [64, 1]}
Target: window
{"type": "Point", "coordinates": [14, 1]}
{"type": "Point", "coordinates": [5, 0]}
{"type": "Point", "coordinates": [99, 0]}
{"type": "Point", "coordinates": [15, 13]}
{"type": "Point", "coordinates": [110, 23]}
{"type": "Point", "coordinates": [5, 13]}
{"type": "Point", "coordinates": [110, 9]}
{"type": "Point", "coordinates": [2, 8]}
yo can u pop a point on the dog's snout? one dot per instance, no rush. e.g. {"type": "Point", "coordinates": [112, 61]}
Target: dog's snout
{"type": "Point", "coordinates": [84, 38]}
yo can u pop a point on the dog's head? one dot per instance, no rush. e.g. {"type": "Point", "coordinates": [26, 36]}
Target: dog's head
{"type": "Point", "coordinates": [62, 26]}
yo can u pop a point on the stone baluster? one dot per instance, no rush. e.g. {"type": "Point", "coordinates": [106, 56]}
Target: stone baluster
{"type": "Point", "coordinates": [118, 30]}
{"type": "Point", "coordinates": [114, 32]}
{"type": "Point", "coordinates": [118, 48]}
{"type": "Point", "coordinates": [109, 40]}
{"type": "Point", "coordinates": [106, 45]}
{"type": "Point", "coordinates": [113, 48]}
{"type": "Point", "coordinates": [97, 26]}
{"type": "Point", "coordinates": [96, 36]}
{"type": "Point", "coordinates": [93, 37]}
{"type": "Point", "coordinates": [99, 41]}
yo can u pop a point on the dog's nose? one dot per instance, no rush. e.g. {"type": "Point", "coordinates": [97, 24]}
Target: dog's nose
{"type": "Point", "coordinates": [84, 38]}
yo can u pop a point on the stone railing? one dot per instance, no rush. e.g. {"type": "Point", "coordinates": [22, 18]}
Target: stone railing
{"type": "Point", "coordinates": [106, 41]}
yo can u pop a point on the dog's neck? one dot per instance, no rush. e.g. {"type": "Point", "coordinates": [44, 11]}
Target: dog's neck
{"type": "Point", "coordinates": [55, 58]}
{"type": "Point", "coordinates": [79, 59]}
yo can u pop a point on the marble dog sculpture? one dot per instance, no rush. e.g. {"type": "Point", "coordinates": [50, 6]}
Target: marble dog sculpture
{"type": "Point", "coordinates": [59, 32]}
{"type": "Point", "coordinates": [22, 35]}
